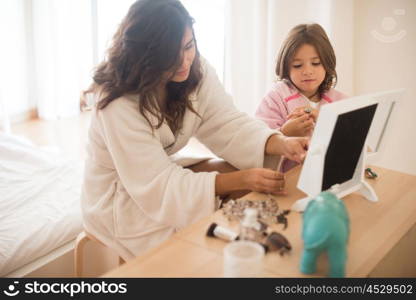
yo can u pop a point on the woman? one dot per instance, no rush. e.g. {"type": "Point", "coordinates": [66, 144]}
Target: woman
{"type": "Point", "coordinates": [155, 92]}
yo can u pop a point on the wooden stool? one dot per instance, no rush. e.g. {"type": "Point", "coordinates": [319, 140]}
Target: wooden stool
{"type": "Point", "coordinates": [80, 242]}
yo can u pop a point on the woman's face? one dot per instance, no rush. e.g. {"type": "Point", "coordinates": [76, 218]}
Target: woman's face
{"type": "Point", "coordinates": [306, 70]}
{"type": "Point", "coordinates": [187, 56]}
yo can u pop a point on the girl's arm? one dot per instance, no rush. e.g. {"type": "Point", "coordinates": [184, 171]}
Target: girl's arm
{"type": "Point", "coordinates": [271, 110]}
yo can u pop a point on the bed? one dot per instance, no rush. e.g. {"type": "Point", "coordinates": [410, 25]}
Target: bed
{"type": "Point", "coordinates": [40, 214]}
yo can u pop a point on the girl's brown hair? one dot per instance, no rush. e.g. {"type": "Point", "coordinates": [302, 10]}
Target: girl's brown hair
{"type": "Point", "coordinates": [311, 34]}
{"type": "Point", "coordinates": [146, 46]}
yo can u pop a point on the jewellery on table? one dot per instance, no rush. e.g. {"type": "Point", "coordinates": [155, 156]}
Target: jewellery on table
{"type": "Point", "coordinates": [281, 218]}
{"type": "Point", "coordinates": [268, 210]}
{"type": "Point", "coordinates": [370, 173]}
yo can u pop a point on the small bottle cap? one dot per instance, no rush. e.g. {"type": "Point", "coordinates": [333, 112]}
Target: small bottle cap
{"type": "Point", "coordinates": [210, 231]}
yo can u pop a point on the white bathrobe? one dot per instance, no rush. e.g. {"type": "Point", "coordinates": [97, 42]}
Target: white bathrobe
{"type": "Point", "coordinates": [135, 192]}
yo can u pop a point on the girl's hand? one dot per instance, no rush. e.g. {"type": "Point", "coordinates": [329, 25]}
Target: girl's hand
{"type": "Point", "coordinates": [264, 181]}
{"type": "Point", "coordinates": [298, 126]}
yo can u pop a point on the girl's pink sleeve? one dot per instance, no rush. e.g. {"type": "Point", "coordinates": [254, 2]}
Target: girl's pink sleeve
{"type": "Point", "coordinates": [271, 110]}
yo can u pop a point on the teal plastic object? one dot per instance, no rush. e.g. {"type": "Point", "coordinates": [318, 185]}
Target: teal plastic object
{"type": "Point", "coordinates": [325, 229]}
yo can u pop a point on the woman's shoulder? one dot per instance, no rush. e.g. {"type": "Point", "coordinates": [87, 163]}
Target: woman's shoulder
{"type": "Point", "coordinates": [208, 71]}
{"type": "Point", "coordinates": [209, 81]}
{"type": "Point", "coordinates": [123, 108]}
{"type": "Point", "coordinates": [123, 103]}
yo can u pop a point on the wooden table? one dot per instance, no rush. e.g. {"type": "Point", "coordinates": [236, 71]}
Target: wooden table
{"type": "Point", "coordinates": [382, 239]}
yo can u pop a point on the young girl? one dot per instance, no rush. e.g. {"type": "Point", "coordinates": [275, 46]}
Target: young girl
{"type": "Point", "coordinates": [306, 72]}
{"type": "Point", "coordinates": [154, 93]}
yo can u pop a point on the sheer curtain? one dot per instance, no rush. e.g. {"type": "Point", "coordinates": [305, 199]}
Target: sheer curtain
{"type": "Point", "coordinates": [49, 49]}
{"type": "Point", "coordinates": [255, 31]}
{"type": "Point", "coordinates": [45, 56]}
{"type": "Point", "coordinates": [71, 36]}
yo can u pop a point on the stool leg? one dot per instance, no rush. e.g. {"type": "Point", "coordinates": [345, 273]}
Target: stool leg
{"type": "Point", "coordinates": [82, 238]}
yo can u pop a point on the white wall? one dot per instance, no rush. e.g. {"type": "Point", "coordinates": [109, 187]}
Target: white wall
{"type": "Point", "coordinates": [380, 65]}
{"type": "Point", "coordinates": [341, 34]}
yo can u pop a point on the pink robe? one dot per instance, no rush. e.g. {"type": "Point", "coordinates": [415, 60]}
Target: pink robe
{"type": "Point", "coordinates": [283, 99]}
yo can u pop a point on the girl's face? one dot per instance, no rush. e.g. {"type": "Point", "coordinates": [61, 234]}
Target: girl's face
{"type": "Point", "coordinates": [187, 56]}
{"type": "Point", "coordinates": [306, 70]}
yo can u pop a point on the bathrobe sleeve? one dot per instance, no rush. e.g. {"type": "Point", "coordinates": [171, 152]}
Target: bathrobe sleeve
{"type": "Point", "coordinates": [227, 132]}
{"type": "Point", "coordinates": [163, 190]}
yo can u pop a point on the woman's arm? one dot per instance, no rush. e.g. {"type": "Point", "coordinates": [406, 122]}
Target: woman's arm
{"type": "Point", "coordinates": [164, 191]}
{"type": "Point", "coordinates": [260, 179]}
{"type": "Point", "coordinates": [235, 183]}
{"type": "Point", "coordinates": [256, 179]}
{"type": "Point", "coordinates": [293, 148]}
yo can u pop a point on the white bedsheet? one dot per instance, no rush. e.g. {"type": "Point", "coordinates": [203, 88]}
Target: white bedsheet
{"type": "Point", "coordinates": [39, 202]}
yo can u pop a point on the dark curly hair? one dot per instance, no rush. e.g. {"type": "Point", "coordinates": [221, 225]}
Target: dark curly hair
{"type": "Point", "coordinates": [146, 46]}
{"type": "Point", "coordinates": [311, 34]}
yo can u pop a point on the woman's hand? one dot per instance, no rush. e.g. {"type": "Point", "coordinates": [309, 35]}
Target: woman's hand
{"type": "Point", "coordinates": [260, 179]}
{"type": "Point", "coordinates": [256, 180]}
{"type": "Point", "coordinates": [293, 148]}
{"type": "Point", "coordinates": [264, 181]}
{"type": "Point", "coordinates": [298, 125]}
